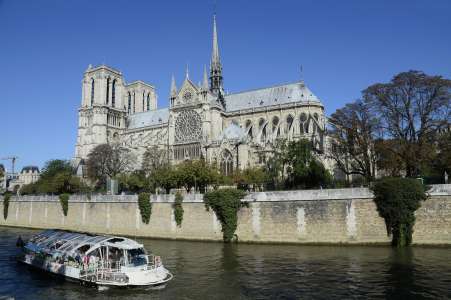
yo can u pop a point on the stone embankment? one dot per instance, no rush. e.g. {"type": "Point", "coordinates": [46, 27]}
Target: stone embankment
{"type": "Point", "coordinates": [335, 216]}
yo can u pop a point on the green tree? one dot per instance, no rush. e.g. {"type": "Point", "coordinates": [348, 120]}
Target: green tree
{"type": "Point", "coordinates": [225, 203]}
{"type": "Point", "coordinates": [304, 169]}
{"type": "Point", "coordinates": [397, 199]}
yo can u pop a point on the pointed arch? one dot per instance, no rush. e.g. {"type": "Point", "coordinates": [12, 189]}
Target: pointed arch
{"type": "Point", "coordinates": [226, 162]}
{"type": "Point", "coordinates": [113, 93]}
{"type": "Point", "coordinates": [249, 130]}
{"type": "Point", "coordinates": [262, 125]}
{"type": "Point", "coordinates": [107, 90]}
{"type": "Point", "coordinates": [289, 126]}
{"type": "Point", "coordinates": [148, 101]}
{"type": "Point", "coordinates": [92, 91]}
{"type": "Point", "coordinates": [129, 107]}
{"type": "Point", "coordinates": [275, 127]}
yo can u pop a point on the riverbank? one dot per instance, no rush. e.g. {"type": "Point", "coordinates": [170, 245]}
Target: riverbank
{"type": "Point", "coordinates": [338, 216]}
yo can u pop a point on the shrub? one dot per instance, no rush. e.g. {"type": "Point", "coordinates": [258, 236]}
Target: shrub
{"type": "Point", "coordinates": [145, 207]}
{"type": "Point", "coordinates": [178, 209]}
{"type": "Point", "coordinates": [6, 198]}
{"type": "Point", "coordinates": [225, 203]}
{"type": "Point", "coordinates": [64, 200]}
{"type": "Point", "coordinates": [397, 199]}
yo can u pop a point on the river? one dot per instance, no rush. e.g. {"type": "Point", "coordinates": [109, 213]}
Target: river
{"type": "Point", "coordinates": [206, 270]}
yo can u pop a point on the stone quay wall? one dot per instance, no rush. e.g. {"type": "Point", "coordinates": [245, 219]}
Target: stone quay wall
{"type": "Point", "coordinates": [338, 216]}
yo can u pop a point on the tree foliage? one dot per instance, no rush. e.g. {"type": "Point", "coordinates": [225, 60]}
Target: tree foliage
{"type": "Point", "coordinates": [178, 209]}
{"type": "Point", "coordinates": [154, 158]}
{"type": "Point", "coordinates": [145, 207]}
{"type": "Point", "coordinates": [353, 132]}
{"type": "Point", "coordinates": [251, 178]}
{"type": "Point", "coordinates": [397, 199]}
{"type": "Point", "coordinates": [412, 109]}
{"type": "Point", "coordinates": [57, 177]}
{"type": "Point", "coordinates": [64, 201]}
{"type": "Point", "coordinates": [6, 198]}
{"type": "Point", "coordinates": [295, 165]}
{"type": "Point", "coordinates": [225, 203]}
{"type": "Point", "coordinates": [107, 161]}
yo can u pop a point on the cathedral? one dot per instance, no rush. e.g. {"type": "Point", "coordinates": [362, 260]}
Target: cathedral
{"type": "Point", "coordinates": [232, 131]}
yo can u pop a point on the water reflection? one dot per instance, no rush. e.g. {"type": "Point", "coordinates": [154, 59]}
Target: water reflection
{"type": "Point", "coordinates": [218, 271]}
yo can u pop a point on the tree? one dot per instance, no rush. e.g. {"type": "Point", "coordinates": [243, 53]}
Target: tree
{"type": "Point", "coordinates": [305, 170]}
{"type": "Point", "coordinates": [166, 177]}
{"type": "Point", "coordinates": [154, 158]}
{"type": "Point", "coordinates": [412, 109]}
{"type": "Point", "coordinates": [297, 160]}
{"type": "Point", "coordinates": [54, 167]}
{"type": "Point", "coordinates": [353, 131]}
{"type": "Point", "coordinates": [276, 165]}
{"type": "Point", "coordinates": [107, 161]}
{"type": "Point", "coordinates": [57, 177]}
{"type": "Point", "coordinates": [397, 199]}
{"type": "Point", "coordinates": [251, 178]}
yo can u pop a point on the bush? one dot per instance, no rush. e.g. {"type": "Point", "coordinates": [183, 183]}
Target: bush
{"type": "Point", "coordinates": [64, 200]}
{"type": "Point", "coordinates": [397, 199]}
{"type": "Point", "coordinates": [178, 209]}
{"type": "Point", "coordinates": [145, 207]}
{"type": "Point", "coordinates": [225, 203]}
{"type": "Point", "coordinates": [6, 198]}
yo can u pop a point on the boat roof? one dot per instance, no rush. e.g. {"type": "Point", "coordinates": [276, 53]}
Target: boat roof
{"type": "Point", "coordinates": [67, 242]}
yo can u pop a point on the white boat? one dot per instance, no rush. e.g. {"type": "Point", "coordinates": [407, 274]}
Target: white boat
{"type": "Point", "coordinates": [94, 259]}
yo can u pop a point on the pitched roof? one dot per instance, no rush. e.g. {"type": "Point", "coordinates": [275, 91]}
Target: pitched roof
{"type": "Point", "coordinates": [148, 118]}
{"type": "Point", "coordinates": [275, 95]}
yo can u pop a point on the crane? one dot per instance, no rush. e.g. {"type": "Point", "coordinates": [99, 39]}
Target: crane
{"type": "Point", "coordinates": [13, 162]}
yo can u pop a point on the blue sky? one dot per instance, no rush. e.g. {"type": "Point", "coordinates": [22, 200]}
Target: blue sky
{"type": "Point", "coordinates": [344, 46]}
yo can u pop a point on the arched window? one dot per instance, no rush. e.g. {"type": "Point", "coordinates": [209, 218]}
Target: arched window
{"type": "Point", "coordinates": [92, 91]}
{"type": "Point", "coordinates": [144, 99]}
{"type": "Point", "coordinates": [148, 101]}
{"type": "Point", "coordinates": [289, 124]}
{"type": "Point", "coordinates": [275, 127]}
{"type": "Point", "coordinates": [226, 164]}
{"type": "Point", "coordinates": [129, 108]}
{"type": "Point", "coordinates": [134, 102]}
{"type": "Point", "coordinates": [113, 93]}
{"type": "Point", "coordinates": [303, 124]}
{"type": "Point", "coordinates": [249, 129]}
{"type": "Point", "coordinates": [262, 128]}
{"type": "Point", "coordinates": [107, 90]}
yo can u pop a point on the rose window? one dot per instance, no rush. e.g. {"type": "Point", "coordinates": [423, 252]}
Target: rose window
{"type": "Point", "coordinates": [188, 126]}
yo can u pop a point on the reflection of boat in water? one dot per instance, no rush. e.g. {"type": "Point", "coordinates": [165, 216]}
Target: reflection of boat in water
{"type": "Point", "coordinates": [96, 259]}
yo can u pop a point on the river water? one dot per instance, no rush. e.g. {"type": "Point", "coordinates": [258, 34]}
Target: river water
{"type": "Point", "coordinates": [216, 271]}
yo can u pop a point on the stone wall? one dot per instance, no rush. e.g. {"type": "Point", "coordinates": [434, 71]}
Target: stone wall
{"type": "Point", "coordinates": [340, 216]}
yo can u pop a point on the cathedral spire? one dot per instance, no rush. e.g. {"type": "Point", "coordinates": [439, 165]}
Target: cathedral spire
{"type": "Point", "coordinates": [215, 60]}
{"type": "Point", "coordinates": [215, 63]}
{"type": "Point", "coordinates": [173, 87]}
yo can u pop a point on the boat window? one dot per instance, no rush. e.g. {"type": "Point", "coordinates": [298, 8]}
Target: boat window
{"type": "Point", "coordinates": [136, 257]}
{"type": "Point", "coordinates": [82, 249]}
{"type": "Point", "coordinates": [115, 240]}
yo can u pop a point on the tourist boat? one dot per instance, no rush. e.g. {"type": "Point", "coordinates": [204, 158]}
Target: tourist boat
{"type": "Point", "coordinates": [94, 259]}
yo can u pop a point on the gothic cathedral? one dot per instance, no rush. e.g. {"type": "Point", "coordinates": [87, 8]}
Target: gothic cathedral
{"type": "Point", "coordinates": [202, 121]}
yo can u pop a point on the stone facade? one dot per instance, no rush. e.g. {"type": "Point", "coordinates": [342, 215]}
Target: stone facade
{"type": "Point", "coordinates": [346, 216]}
{"type": "Point", "coordinates": [202, 121]}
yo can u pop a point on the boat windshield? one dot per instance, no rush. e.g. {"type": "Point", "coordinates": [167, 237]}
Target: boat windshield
{"type": "Point", "coordinates": [137, 257]}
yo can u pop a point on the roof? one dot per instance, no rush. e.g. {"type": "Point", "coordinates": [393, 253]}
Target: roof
{"type": "Point", "coordinates": [30, 169]}
{"type": "Point", "coordinates": [275, 95]}
{"type": "Point", "coordinates": [148, 118]}
{"type": "Point", "coordinates": [66, 242]}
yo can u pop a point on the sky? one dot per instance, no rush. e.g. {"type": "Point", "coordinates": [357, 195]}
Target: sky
{"type": "Point", "coordinates": [343, 47]}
